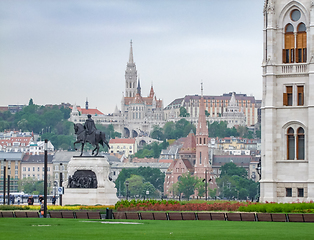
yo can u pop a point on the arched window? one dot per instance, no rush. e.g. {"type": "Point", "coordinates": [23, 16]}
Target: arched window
{"type": "Point", "coordinates": [301, 43]}
{"type": "Point", "coordinates": [300, 144]}
{"type": "Point", "coordinates": [288, 51]}
{"type": "Point", "coordinates": [290, 144]}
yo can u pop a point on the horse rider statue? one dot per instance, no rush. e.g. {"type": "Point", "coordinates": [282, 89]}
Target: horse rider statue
{"type": "Point", "coordinates": [90, 130]}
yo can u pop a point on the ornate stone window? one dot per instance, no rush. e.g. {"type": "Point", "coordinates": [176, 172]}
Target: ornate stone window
{"type": "Point", "coordinates": [290, 144]}
{"type": "Point", "coordinates": [295, 38]}
{"type": "Point", "coordinates": [295, 137]}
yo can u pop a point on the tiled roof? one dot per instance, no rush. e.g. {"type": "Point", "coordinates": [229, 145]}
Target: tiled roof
{"type": "Point", "coordinates": [122, 140]}
{"type": "Point", "coordinates": [4, 109]}
{"type": "Point", "coordinates": [9, 142]}
{"type": "Point", "coordinates": [189, 145]}
{"type": "Point", "coordinates": [36, 158]}
{"type": "Point", "coordinates": [90, 111]}
{"type": "Point", "coordinates": [165, 160]}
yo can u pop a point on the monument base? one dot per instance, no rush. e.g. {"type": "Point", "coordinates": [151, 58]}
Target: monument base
{"type": "Point", "coordinates": [85, 196]}
{"type": "Point", "coordinates": [104, 194]}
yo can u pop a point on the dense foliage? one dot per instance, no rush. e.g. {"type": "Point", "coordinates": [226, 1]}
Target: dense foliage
{"type": "Point", "coordinates": [233, 183]}
{"type": "Point", "coordinates": [149, 179]}
{"type": "Point", "coordinates": [220, 129]}
{"type": "Point", "coordinates": [152, 150]}
{"type": "Point", "coordinates": [31, 186]}
{"type": "Point", "coordinates": [183, 127]}
{"type": "Point", "coordinates": [50, 122]}
{"type": "Point", "coordinates": [173, 130]}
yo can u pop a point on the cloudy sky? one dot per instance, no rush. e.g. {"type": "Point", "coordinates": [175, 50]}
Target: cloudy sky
{"type": "Point", "coordinates": [68, 50]}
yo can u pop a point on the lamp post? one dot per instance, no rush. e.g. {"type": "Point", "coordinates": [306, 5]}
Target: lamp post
{"type": "Point", "coordinates": [8, 185]}
{"type": "Point", "coordinates": [4, 173]}
{"type": "Point", "coordinates": [45, 177]}
{"type": "Point", "coordinates": [127, 189]}
{"type": "Point", "coordinates": [206, 193]}
{"type": "Point", "coordinates": [60, 196]}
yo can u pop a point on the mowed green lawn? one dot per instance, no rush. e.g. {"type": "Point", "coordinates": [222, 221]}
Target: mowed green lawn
{"type": "Point", "coordinates": [56, 229]}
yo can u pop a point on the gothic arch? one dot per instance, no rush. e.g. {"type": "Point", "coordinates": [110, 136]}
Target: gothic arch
{"type": "Point", "coordinates": [126, 132]}
{"type": "Point", "coordinates": [286, 9]}
{"type": "Point", "coordinates": [296, 126]}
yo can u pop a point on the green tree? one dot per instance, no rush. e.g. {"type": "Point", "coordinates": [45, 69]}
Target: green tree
{"type": "Point", "coordinates": [152, 175]}
{"type": "Point", "coordinates": [231, 169]}
{"type": "Point", "coordinates": [31, 186]}
{"type": "Point", "coordinates": [233, 183]}
{"type": "Point", "coordinates": [135, 185]}
{"type": "Point", "coordinates": [151, 150]}
{"type": "Point", "coordinates": [30, 102]}
{"type": "Point", "coordinates": [201, 190]}
{"type": "Point", "coordinates": [169, 130]}
{"type": "Point", "coordinates": [187, 184]}
{"type": "Point", "coordinates": [157, 133]}
{"type": "Point", "coordinates": [147, 186]}
{"type": "Point", "coordinates": [183, 112]}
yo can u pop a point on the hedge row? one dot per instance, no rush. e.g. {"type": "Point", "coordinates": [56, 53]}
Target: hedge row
{"type": "Point", "coordinates": [155, 205]}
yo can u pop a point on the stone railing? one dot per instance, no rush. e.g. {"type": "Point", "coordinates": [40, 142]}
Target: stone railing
{"type": "Point", "coordinates": [292, 68]}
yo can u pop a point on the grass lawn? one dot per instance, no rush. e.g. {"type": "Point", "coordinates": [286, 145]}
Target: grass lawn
{"type": "Point", "coordinates": [57, 229]}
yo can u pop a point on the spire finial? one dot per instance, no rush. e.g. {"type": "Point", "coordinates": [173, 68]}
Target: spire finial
{"type": "Point", "coordinates": [202, 88]}
{"type": "Point", "coordinates": [131, 52]}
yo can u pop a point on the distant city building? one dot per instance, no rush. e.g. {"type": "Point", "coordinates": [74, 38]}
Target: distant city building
{"type": "Point", "coordinates": [15, 144]}
{"type": "Point", "coordinates": [236, 109]}
{"type": "Point", "coordinates": [13, 168]}
{"type": "Point", "coordinates": [124, 146]}
{"type": "Point", "coordinates": [33, 167]}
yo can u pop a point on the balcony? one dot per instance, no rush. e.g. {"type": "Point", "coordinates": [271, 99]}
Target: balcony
{"type": "Point", "coordinates": [295, 68]}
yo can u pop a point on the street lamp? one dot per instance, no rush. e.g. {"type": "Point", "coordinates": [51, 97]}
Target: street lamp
{"type": "Point", "coordinates": [127, 189]}
{"type": "Point", "coordinates": [4, 173]}
{"type": "Point", "coordinates": [60, 183]}
{"type": "Point", "coordinates": [45, 177]}
{"type": "Point", "coordinates": [8, 185]}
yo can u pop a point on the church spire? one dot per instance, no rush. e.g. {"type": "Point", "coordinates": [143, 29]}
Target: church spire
{"type": "Point", "coordinates": [139, 87]}
{"type": "Point", "coordinates": [131, 53]}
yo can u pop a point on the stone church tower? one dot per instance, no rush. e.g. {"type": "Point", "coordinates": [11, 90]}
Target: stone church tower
{"type": "Point", "coordinates": [130, 76]}
{"type": "Point", "coordinates": [201, 166]}
{"type": "Point", "coordinates": [287, 160]}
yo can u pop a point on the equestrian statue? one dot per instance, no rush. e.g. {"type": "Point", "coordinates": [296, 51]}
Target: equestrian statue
{"type": "Point", "coordinates": [89, 133]}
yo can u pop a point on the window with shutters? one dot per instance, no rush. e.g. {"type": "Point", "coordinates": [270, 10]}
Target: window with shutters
{"type": "Point", "coordinates": [290, 144]}
{"type": "Point", "coordinates": [300, 144]}
{"type": "Point", "coordinates": [295, 143]}
{"type": "Point", "coordinates": [300, 95]}
{"type": "Point", "coordinates": [287, 96]}
{"type": "Point", "coordinates": [288, 51]}
{"type": "Point", "coordinates": [301, 44]}
{"type": "Point", "coordinates": [295, 39]}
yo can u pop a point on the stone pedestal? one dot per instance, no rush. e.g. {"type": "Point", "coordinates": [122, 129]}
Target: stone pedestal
{"type": "Point", "coordinates": [104, 194]}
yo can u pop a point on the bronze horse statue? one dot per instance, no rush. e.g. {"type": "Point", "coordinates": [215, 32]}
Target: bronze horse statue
{"type": "Point", "coordinates": [81, 137]}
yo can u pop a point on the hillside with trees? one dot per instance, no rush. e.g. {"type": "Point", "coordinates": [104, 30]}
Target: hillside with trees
{"type": "Point", "coordinates": [50, 122]}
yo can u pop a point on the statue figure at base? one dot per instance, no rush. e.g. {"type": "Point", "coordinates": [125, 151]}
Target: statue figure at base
{"type": "Point", "coordinates": [89, 133]}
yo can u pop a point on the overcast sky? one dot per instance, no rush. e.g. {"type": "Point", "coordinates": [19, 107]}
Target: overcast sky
{"type": "Point", "coordinates": [57, 51]}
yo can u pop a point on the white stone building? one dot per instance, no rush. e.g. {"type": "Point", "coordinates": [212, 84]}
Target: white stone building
{"type": "Point", "coordinates": [236, 109]}
{"type": "Point", "coordinates": [288, 101]}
